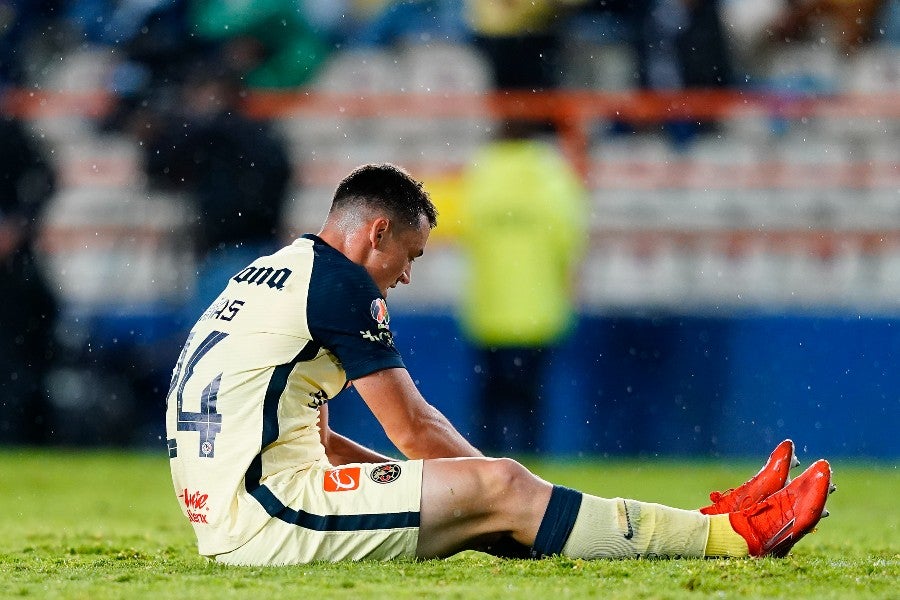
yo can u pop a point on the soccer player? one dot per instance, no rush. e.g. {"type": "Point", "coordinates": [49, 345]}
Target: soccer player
{"type": "Point", "coordinates": [264, 480]}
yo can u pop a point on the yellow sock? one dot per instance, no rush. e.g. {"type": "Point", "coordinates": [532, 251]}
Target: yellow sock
{"type": "Point", "coordinates": [723, 539]}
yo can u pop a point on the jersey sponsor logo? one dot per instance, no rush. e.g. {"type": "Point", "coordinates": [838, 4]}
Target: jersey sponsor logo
{"type": "Point", "coordinates": [385, 337]}
{"type": "Point", "coordinates": [275, 279]}
{"type": "Point", "coordinates": [385, 473]}
{"type": "Point", "coordinates": [380, 312]}
{"type": "Point", "coordinates": [341, 480]}
{"type": "Point", "coordinates": [194, 502]}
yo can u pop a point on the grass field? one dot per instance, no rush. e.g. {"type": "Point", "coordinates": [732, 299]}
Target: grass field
{"type": "Point", "coordinates": [99, 525]}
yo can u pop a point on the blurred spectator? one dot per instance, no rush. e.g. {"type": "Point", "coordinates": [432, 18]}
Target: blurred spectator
{"type": "Point", "coordinates": [520, 39]}
{"type": "Point", "coordinates": [29, 307]}
{"type": "Point", "coordinates": [152, 35]}
{"type": "Point", "coordinates": [806, 46]}
{"type": "Point", "coordinates": [237, 171]}
{"type": "Point", "coordinates": [523, 226]}
{"type": "Point", "coordinates": [847, 24]}
{"type": "Point", "coordinates": [677, 44]}
{"type": "Point", "coordinates": [153, 48]}
{"type": "Point", "coordinates": [415, 22]}
{"type": "Point", "coordinates": [29, 31]}
{"type": "Point", "coordinates": [269, 42]}
{"type": "Point", "coordinates": [702, 47]}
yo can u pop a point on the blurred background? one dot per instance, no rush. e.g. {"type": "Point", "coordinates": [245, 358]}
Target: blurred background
{"type": "Point", "coordinates": [730, 270]}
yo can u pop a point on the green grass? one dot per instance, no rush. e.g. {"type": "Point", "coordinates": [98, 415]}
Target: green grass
{"type": "Point", "coordinates": [106, 525]}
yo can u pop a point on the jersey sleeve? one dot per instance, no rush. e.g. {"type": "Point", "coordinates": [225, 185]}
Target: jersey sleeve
{"type": "Point", "coordinates": [348, 316]}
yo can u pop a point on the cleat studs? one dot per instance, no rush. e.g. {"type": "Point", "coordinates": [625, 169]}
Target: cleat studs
{"type": "Point", "coordinates": [795, 462]}
{"type": "Point", "coordinates": [825, 513]}
{"type": "Point", "coordinates": [832, 488]}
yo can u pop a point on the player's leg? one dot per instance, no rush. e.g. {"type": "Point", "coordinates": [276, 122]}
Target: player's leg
{"type": "Point", "coordinates": [470, 503]}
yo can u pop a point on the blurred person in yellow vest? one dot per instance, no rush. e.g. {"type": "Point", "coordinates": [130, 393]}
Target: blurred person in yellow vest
{"type": "Point", "coordinates": [523, 217]}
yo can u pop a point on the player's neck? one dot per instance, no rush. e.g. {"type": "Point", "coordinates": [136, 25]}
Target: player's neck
{"type": "Point", "coordinates": [351, 243]}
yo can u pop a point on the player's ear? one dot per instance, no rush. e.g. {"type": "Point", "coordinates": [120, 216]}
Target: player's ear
{"type": "Point", "coordinates": [378, 231]}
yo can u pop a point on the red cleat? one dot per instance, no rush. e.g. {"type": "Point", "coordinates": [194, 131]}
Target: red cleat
{"type": "Point", "coordinates": [773, 526]}
{"type": "Point", "coordinates": [771, 478]}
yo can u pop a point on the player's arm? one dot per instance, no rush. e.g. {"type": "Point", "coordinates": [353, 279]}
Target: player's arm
{"type": "Point", "coordinates": [416, 428]}
{"type": "Point", "coordinates": [341, 450]}
{"type": "Point", "coordinates": [347, 315]}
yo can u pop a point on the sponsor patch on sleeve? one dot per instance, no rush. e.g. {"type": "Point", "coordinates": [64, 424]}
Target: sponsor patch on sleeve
{"type": "Point", "coordinates": [380, 312]}
{"type": "Point", "coordinates": [341, 480]}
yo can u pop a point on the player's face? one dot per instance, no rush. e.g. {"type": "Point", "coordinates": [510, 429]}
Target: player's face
{"type": "Point", "coordinates": [392, 264]}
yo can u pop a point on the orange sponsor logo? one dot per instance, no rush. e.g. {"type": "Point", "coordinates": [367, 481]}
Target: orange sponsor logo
{"type": "Point", "coordinates": [341, 480]}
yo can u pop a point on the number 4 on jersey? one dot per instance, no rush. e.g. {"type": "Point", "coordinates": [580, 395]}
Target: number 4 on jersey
{"type": "Point", "coordinates": [207, 421]}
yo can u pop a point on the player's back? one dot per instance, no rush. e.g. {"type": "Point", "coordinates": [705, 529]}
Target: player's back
{"type": "Point", "coordinates": [240, 415]}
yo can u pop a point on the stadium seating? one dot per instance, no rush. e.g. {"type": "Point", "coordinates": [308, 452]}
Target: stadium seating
{"type": "Point", "coordinates": [788, 206]}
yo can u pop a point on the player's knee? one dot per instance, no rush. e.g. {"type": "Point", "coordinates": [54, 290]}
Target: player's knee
{"type": "Point", "coordinates": [505, 478]}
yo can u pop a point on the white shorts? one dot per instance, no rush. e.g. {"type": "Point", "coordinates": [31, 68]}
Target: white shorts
{"type": "Point", "coordinates": [352, 512]}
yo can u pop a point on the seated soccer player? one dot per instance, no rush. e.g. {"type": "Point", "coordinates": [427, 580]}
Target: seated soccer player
{"type": "Point", "coordinates": [264, 480]}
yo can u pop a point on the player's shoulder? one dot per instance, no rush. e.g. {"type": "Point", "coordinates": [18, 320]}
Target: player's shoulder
{"type": "Point", "coordinates": [340, 290]}
{"type": "Point", "coordinates": [306, 252]}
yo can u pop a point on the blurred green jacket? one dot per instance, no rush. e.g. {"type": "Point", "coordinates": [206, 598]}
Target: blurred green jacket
{"type": "Point", "coordinates": [292, 52]}
{"type": "Point", "coordinates": [523, 226]}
